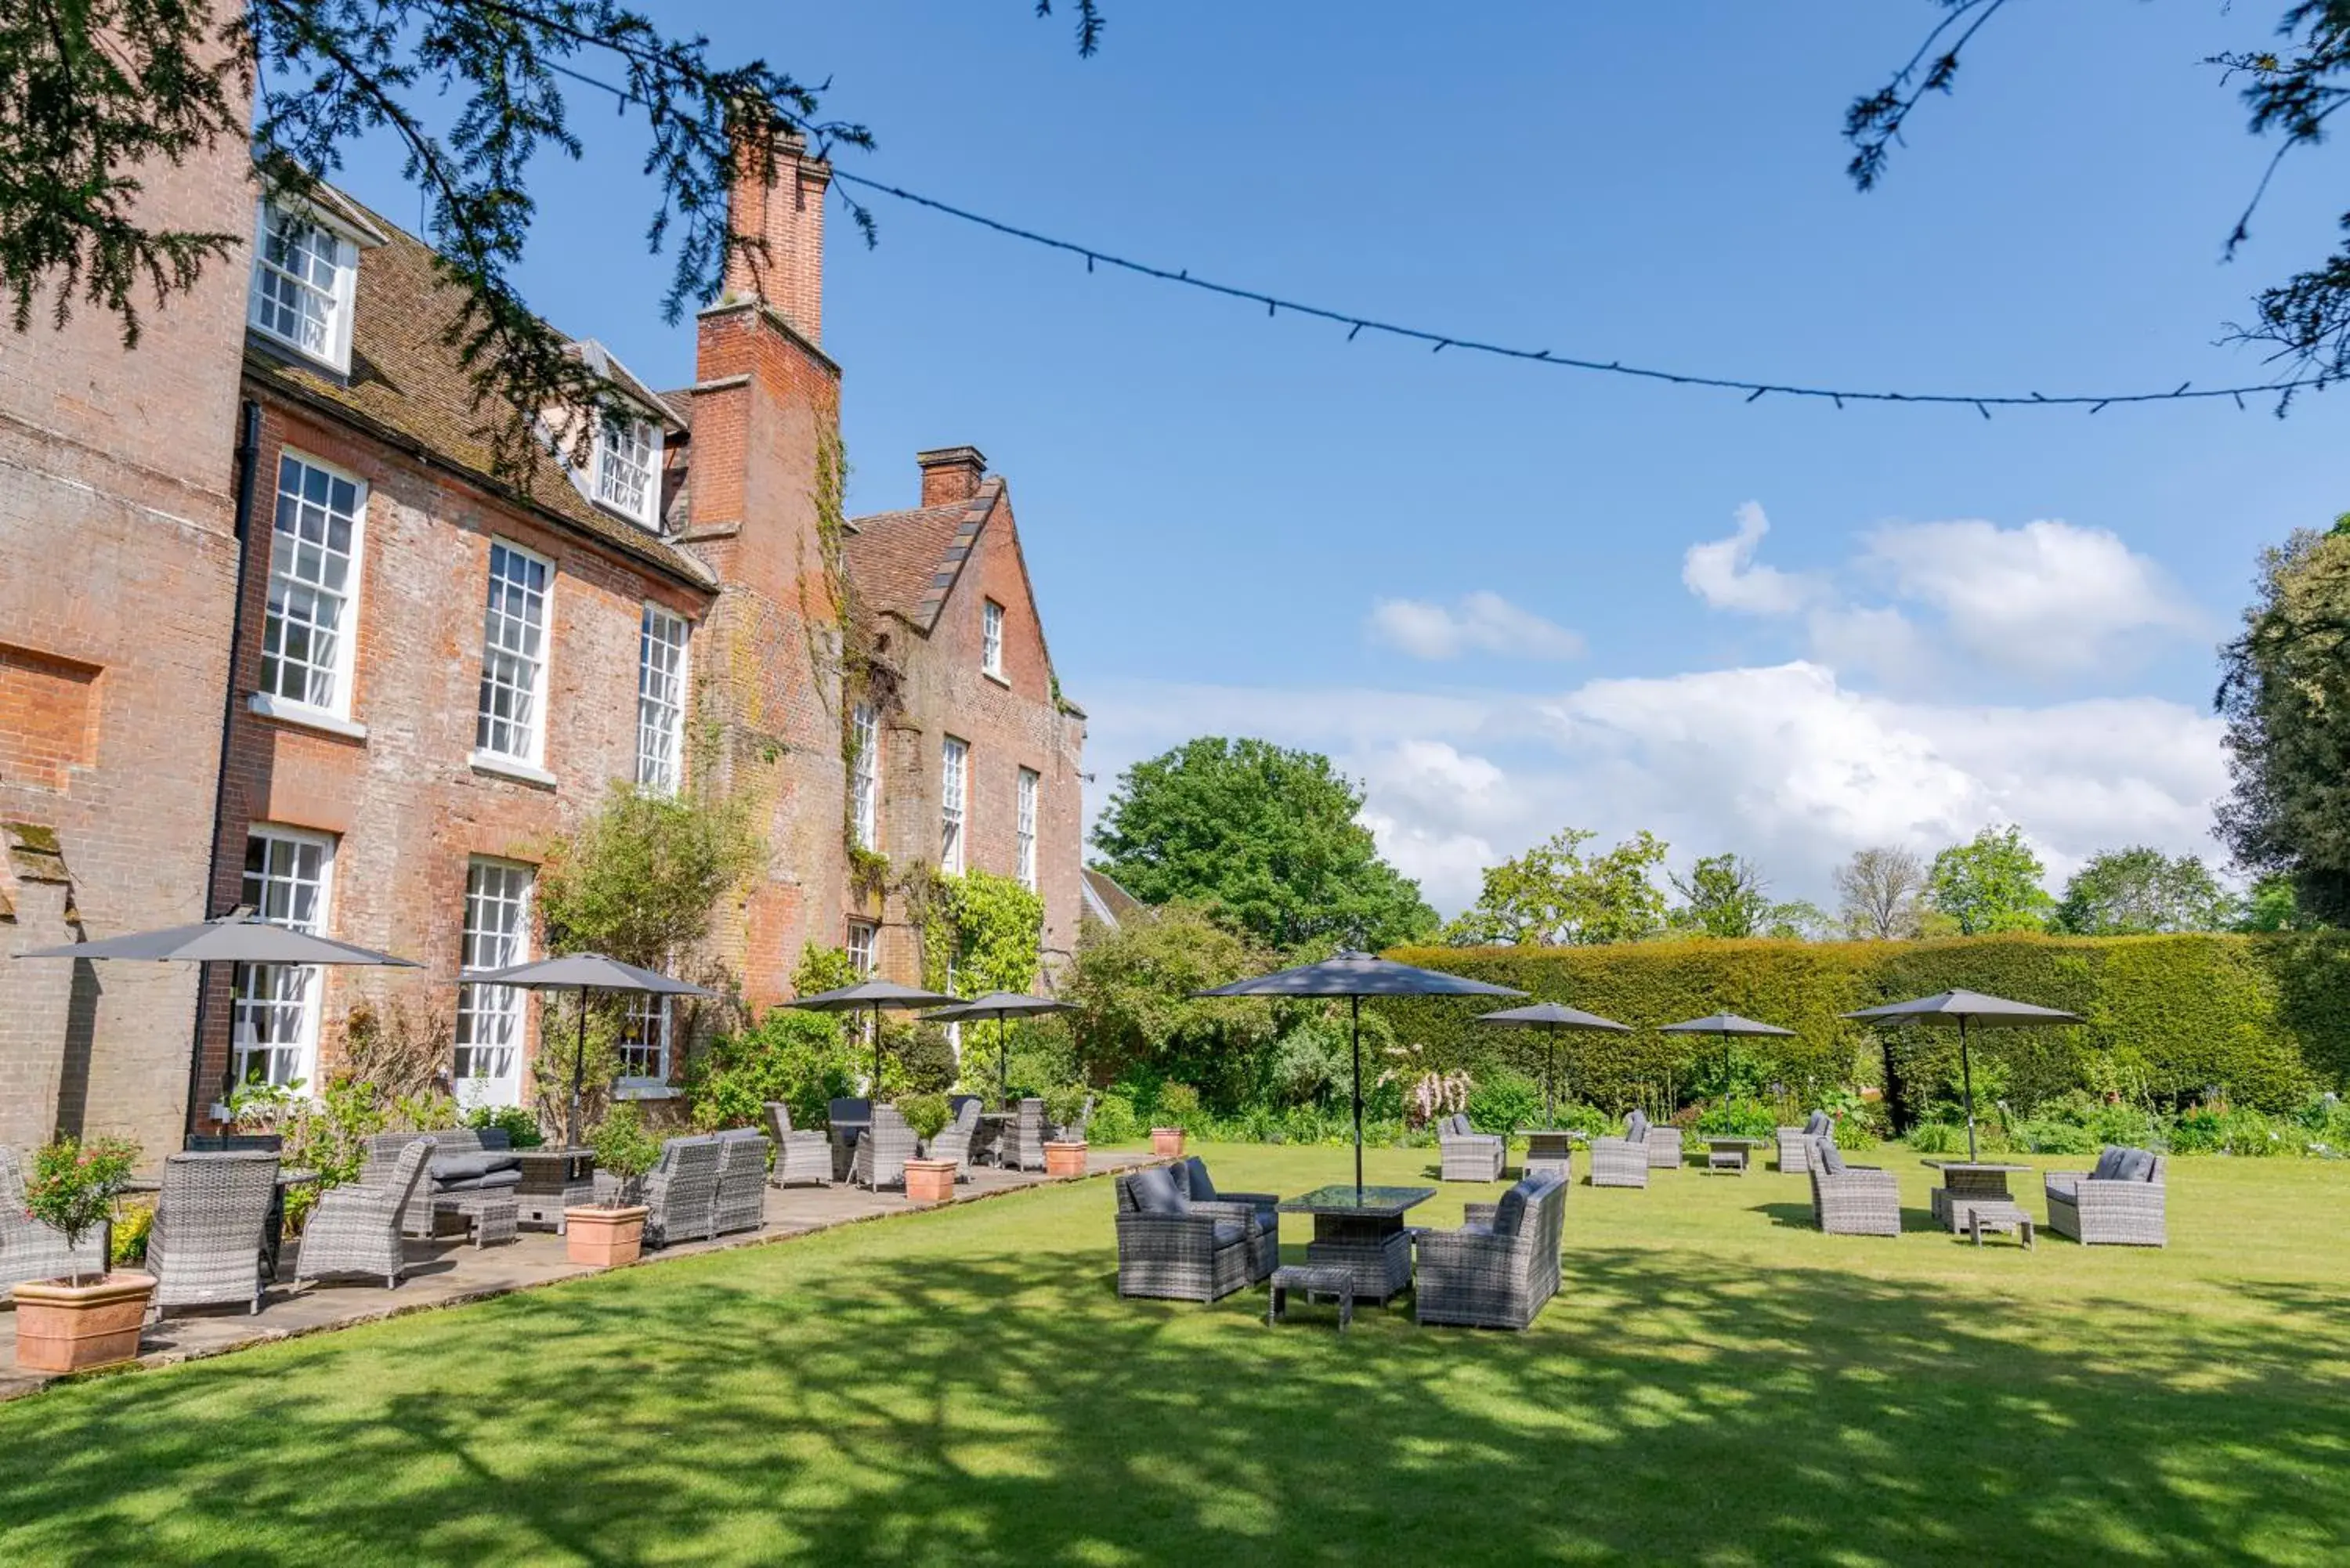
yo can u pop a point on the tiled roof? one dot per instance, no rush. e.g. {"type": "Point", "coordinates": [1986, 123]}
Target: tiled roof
{"type": "Point", "coordinates": [406, 383]}
{"type": "Point", "coordinates": [904, 563]}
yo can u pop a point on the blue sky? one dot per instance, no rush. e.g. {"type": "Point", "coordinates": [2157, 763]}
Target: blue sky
{"type": "Point", "coordinates": [1513, 598]}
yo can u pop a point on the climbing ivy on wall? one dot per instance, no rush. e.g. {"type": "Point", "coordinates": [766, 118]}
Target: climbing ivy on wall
{"type": "Point", "coordinates": [991, 927]}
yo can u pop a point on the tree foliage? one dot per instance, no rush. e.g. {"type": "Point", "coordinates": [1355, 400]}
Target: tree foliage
{"type": "Point", "coordinates": [1991, 883]}
{"type": "Point", "coordinates": [2286, 694]}
{"type": "Point", "coordinates": [2140, 889]}
{"type": "Point", "coordinates": [1724, 896]}
{"type": "Point", "coordinates": [1134, 987]}
{"type": "Point", "coordinates": [1880, 893]}
{"type": "Point", "coordinates": [639, 879]}
{"type": "Point", "coordinates": [1555, 895]}
{"type": "Point", "coordinates": [1269, 835]}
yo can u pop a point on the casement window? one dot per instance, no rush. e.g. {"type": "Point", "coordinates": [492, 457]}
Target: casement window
{"type": "Point", "coordinates": [488, 1065]}
{"type": "Point", "coordinates": [273, 1009]}
{"type": "Point", "coordinates": [1024, 827]}
{"type": "Point", "coordinates": [864, 776]}
{"type": "Point", "coordinates": [660, 702]}
{"type": "Point", "coordinates": [309, 636]}
{"type": "Point", "coordinates": [954, 801]}
{"type": "Point", "coordinates": [990, 639]}
{"type": "Point", "coordinates": [305, 277]}
{"type": "Point", "coordinates": [628, 468]}
{"type": "Point", "coordinates": [644, 1041]}
{"type": "Point", "coordinates": [510, 723]}
{"type": "Point", "coordinates": [864, 947]}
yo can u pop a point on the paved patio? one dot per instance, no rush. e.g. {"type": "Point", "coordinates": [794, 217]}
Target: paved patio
{"type": "Point", "coordinates": [447, 1272]}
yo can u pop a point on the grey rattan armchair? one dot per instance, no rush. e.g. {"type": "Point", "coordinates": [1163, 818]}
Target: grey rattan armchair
{"type": "Point", "coordinates": [1261, 1208]}
{"type": "Point", "coordinates": [953, 1141]}
{"type": "Point", "coordinates": [31, 1250]}
{"type": "Point", "coordinates": [1793, 1157]}
{"type": "Point", "coordinates": [1498, 1269]}
{"type": "Point", "coordinates": [742, 1200]}
{"type": "Point", "coordinates": [356, 1229]}
{"type": "Point", "coordinates": [1467, 1154]}
{"type": "Point", "coordinates": [1022, 1144]}
{"type": "Point", "coordinates": [1075, 1132]}
{"type": "Point", "coordinates": [210, 1222]}
{"type": "Point", "coordinates": [1167, 1247]}
{"type": "Point", "coordinates": [2120, 1203]}
{"type": "Point", "coordinates": [1851, 1199]}
{"type": "Point", "coordinates": [799, 1156]}
{"type": "Point", "coordinates": [883, 1151]}
{"type": "Point", "coordinates": [1624, 1161]}
{"type": "Point", "coordinates": [1662, 1142]}
{"type": "Point", "coordinates": [679, 1193]}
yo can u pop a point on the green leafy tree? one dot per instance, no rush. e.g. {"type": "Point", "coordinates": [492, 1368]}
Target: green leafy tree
{"type": "Point", "coordinates": [1724, 896]}
{"type": "Point", "coordinates": [2142, 889]}
{"type": "Point", "coordinates": [1556, 896]}
{"type": "Point", "coordinates": [1991, 883]}
{"type": "Point", "coordinates": [2285, 693]}
{"type": "Point", "coordinates": [1269, 835]}
{"type": "Point", "coordinates": [1135, 990]}
{"type": "Point", "coordinates": [2273, 906]}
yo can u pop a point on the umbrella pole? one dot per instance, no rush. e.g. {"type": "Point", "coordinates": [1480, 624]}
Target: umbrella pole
{"type": "Point", "coordinates": [578, 1071]}
{"type": "Point", "coordinates": [1967, 1071]}
{"type": "Point", "coordinates": [1355, 1005]}
{"type": "Point", "coordinates": [1002, 1065]}
{"type": "Point", "coordinates": [1550, 1065]}
{"type": "Point", "coordinates": [876, 1050]}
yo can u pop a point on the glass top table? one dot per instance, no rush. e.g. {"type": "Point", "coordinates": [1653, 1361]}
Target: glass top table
{"type": "Point", "coordinates": [1343, 1199]}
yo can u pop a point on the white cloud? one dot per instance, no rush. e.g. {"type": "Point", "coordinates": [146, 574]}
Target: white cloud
{"type": "Point", "coordinates": [1482, 622]}
{"type": "Point", "coordinates": [1784, 763]}
{"type": "Point", "coordinates": [1725, 574]}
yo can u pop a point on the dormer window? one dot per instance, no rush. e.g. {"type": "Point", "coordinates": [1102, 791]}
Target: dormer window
{"type": "Point", "coordinates": [628, 468]}
{"type": "Point", "coordinates": [304, 277]}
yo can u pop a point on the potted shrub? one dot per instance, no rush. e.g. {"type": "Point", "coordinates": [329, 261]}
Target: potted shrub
{"type": "Point", "coordinates": [1063, 1107]}
{"type": "Point", "coordinates": [611, 1232]}
{"type": "Point", "coordinates": [1177, 1105]}
{"type": "Point", "coordinates": [87, 1319]}
{"type": "Point", "coordinates": [927, 1181]}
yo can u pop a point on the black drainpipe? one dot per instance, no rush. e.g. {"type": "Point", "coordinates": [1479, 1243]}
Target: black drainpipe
{"type": "Point", "coordinates": [248, 459]}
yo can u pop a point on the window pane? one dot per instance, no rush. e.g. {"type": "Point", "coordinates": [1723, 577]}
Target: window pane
{"type": "Point", "coordinates": [512, 668]}
{"type": "Point", "coordinates": [660, 701]}
{"type": "Point", "coordinates": [489, 1017]}
{"type": "Point", "coordinates": [303, 651]}
{"type": "Point", "coordinates": [953, 798]}
{"type": "Point", "coordinates": [298, 284]}
{"type": "Point", "coordinates": [864, 776]}
{"type": "Point", "coordinates": [626, 476]}
{"type": "Point", "coordinates": [273, 1007]}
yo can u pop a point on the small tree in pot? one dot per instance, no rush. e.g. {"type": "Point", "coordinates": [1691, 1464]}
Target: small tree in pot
{"type": "Point", "coordinates": [90, 1317]}
{"type": "Point", "coordinates": [1178, 1105]}
{"type": "Point", "coordinates": [1065, 1109]}
{"type": "Point", "coordinates": [611, 1230]}
{"type": "Point", "coordinates": [927, 1181]}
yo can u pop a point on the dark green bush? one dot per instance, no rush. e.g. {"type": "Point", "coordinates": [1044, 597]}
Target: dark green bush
{"type": "Point", "coordinates": [1503, 1103]}
{"type": "Point", "coordinates": [1739, 1118]}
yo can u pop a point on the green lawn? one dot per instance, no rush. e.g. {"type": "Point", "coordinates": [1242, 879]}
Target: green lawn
{"type": "Point", "coordinates": [1716, 1384]}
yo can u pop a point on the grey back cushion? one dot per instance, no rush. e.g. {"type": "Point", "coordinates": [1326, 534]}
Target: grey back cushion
{"type": "Point", "coordinates": [1154, 1192]}
{"type": "Point", "coordinates": [2136, 1165]}
{"type": "Point", "coordinates": [2109, 1163]}
{"type": "Point", "coordinates": [1635, 1125]}
{"type": "Point", "coordinates": [1819, 1125]}
{"type": "Point", "coordinates": [1831, 1157]}
{"type": "Point", "coordinates": [1511, 1212]}
{"type": "Point", "coordinates": [1202, 1189]}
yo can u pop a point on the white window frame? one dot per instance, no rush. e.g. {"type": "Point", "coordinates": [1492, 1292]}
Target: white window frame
{"type": "Point", "coordinates": [662, 686]}
{"type": "Point", "coordinates": [864, 947]}
{"type": "Point", "coordinates": [259, 990]}
{"type": "Point", "coordinates": [334, 350]}
{"type": "Point", "coordinates": [990, 639]}
{"type": "Point", "coordinates": [646, 1026]}
{"type": "Point", "coordinates": [535, 726]}
{"type": "Point", "coordinates": [1031, 788]}
{"type": "Point", "coordinates": [864, 776]}
{"type": "Point", "coordinates": [612, 468]}
{"type": "Point", "coordinates": [285, 584]}
{"type": "Point", "coordinates": [954, 805]}
{"type": "Point", "coordinates": [500, 1006]}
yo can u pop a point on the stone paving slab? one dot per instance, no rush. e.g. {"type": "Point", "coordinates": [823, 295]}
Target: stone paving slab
{"type": "Point", "coordinates": [449, 1272]}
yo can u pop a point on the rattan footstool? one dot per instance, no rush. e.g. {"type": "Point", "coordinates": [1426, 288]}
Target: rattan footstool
{"type": "Point", "coordinates": [1311, 1281]}
{"type": "Point", "coordinates": [1984, 1214]}
{"type": "Point", "coordinates": [490, 1216]}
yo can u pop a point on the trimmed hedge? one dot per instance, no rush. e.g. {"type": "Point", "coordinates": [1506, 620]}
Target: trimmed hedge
{"type": "Point", "coordinates": [2264, 1018]}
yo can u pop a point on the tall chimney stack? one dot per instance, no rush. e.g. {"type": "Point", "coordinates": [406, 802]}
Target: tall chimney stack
{"type": "Point", "coordinates": [788, 215]}
{"type": "Point", "coordinates": [950, 473]}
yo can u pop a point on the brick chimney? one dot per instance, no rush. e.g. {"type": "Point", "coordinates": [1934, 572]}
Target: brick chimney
{"type": "Point", "coordinates": [950, 473]}
{"type": "Point", "coordinates": [788, 216]}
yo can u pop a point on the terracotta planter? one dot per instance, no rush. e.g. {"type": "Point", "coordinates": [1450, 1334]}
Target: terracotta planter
{"type": "Point", "coordinates": [69, 1328]}
{"type": "Point", "coordinates": [930, 1181]}
{"type": "Point", "coordinates": [1167, 1143]}
{"type": "Point", "coordinates": [1064, 1158]}
{"type": "Point", "coordinates": [604, 1238]}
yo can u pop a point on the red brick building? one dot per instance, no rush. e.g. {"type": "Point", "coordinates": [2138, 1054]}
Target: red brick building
{"type": "Point", "coordinates": [438, 669]}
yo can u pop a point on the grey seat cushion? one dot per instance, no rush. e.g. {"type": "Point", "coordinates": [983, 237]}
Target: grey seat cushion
{"type": "Point", "coordinates": [489, 1181]}
{"type": "Point", "coordinates": [1229, 1231]}
{"type": "Point", "coordinates": [1154, 1192]}
{"type": "Point", "coordinates": [1831, 1157]}
{"type": "Point", "coordinates": [448, 1167]}
{"type": "Point", "coordinates": [2064, 1183]}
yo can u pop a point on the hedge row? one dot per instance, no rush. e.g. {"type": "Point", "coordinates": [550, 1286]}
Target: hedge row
{"type": "Point", "coordinates": [2264, 1018]}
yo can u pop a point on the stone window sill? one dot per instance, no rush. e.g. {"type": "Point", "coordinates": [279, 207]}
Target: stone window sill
{"type": "Point", "coordinates": [999, 678]}
{"type": "Point", "coordinates": [512, 768]}
{"type": "Point", "coordinates": [644, 1089]}
{"type": "Point", "coordinates": [285, 711]}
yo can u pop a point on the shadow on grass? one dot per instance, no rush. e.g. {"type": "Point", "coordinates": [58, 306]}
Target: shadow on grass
{"type": "Point", "coordinates": [1000, 1405]}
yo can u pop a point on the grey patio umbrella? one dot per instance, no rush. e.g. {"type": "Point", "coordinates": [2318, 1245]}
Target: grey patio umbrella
{"type": "Point", "coordinates": [583, 972]}
{"type": "Point", "coordinates": [1725, 1025]}
{"type": "Point", "coordinates": [1356, 975]}
{"type": "Point", "coordinates": [875, 993]}
{"type": "Point", "coordinates": [239, 937]}
{"type": "Point", "coordinates": [1000, 1005]}
{"type": "Point", "coordinates": [1551, 1017]}
{"type": "Point", "coordinates": [1964, 1007]}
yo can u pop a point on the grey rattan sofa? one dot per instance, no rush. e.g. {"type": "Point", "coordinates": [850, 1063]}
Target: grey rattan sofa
{"type": "Point", "coordinates": [2120, 1203]}
{"type": "Point", "coordinates": [1466, 1154]}
{"type": "Point", "coordinates": [800, 1155]}
{"type": "Point", "coordinates": [741, 1202]}
{"type": "Point", "coordinates": [1498, 1269]}
{"type": "Point", "coordinates": [1170, 1247]}
{"type": "Point", "coordinates": [31, 1250]}
{"type": "Point", "coordinates": [209, 1222]}
{"type": "Point", "coordinates": [356, 1229]}
{"type": "Point", "coordinates": [1851, 1199]}
{"type": "Point", "coordinates": [464, 1161]}
{"type": "Point", "coordinates": [1792, 1159]}
{"type": "Point", "coordinates": [883, 1150]}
